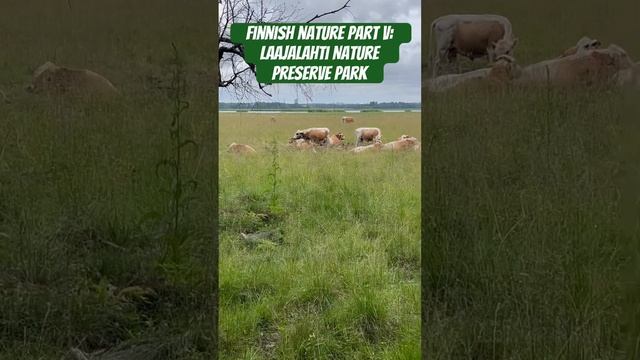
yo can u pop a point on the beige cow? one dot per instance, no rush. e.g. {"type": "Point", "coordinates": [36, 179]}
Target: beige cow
{"type": "Point", "coordinates": [347, 120]}
{"type": "Point", "coordinates": [52, 79]}
{"type": "Point", "coordinates": [584, 44]}
{"type": "Point", "coordinates": [403, 143]}
{"type": "Point", "coordinates": [376, 146]}
{"type": "Point", "coordinates": [587, 68]}
{"type": "Point", "coordinates": [502, 71]}
{"type": "Point", "coordinates": [241, 149]}
{"type": "Point", "coordinates": [302, 144]}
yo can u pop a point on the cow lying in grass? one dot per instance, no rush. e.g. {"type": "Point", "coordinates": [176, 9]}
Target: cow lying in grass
{"type": "Point", "coordinates": [52, 79]}
{"type": "Point", "coordinates": [376, 146]}
{"type": "Point", "coordinates": [302, 144]}
{"type": "Point", "coordinates": [502, 71]}
{"type": "Point", "coordinates": [584, 44]}
{"type": "Point", "coordinates": [241, 149]}
{"type": "Point", "coordinates": [585, 68]}
{"type": "Point", "coordinates": [336, 139]}
{"type": "Point", "coordinates": [404, 142]}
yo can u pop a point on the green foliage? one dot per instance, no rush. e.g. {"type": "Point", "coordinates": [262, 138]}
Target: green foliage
{"type": "Point", "coordinates": [181, 185]}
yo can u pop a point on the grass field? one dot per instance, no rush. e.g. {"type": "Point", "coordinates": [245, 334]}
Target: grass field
{"type": "Point", "coordinates": [340, 278]}
{"type": "Point", "coordinates": [89, 254]}
{"type": "Point", "coordinates": [530, 201]}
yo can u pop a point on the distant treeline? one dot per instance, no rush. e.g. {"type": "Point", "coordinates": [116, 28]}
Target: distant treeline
{"type": "Point", "coordinates": [319, 106]}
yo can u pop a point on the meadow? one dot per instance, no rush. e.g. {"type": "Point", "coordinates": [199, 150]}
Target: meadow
{"type": "Point", "coordinates": [337, 276]}
{"type": "Point", "coordinates": [530, 247]}
{"type": "Point", "coordinates": [104, 246]}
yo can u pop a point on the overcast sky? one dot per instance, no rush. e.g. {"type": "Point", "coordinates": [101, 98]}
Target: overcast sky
{"type": "Point", "coordinates": [401, 80]}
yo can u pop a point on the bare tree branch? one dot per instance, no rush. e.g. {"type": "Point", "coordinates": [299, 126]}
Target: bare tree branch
{"type": "Point", "coordinates": [346, 5]}
{"type": "Point", "coordinates": [234, 73]}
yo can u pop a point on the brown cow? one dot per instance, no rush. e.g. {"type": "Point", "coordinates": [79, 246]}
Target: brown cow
{"type": "Point", "coordinates": [241, 149]}
{"type": "Point", "coordinates": [469, 35]}
{"type": "Point", "coordinates": [336, 139]}
{"type": "Point", "coordinates": [317, 135]}
{"type": "Point", "coordinates": [347, 120]}
{"type": "Point", "coordinates": [480, 39]}
{"type": "Point", "coordinates": [52, 79]}
{"type": "Point", "coordinates": [366, 135]}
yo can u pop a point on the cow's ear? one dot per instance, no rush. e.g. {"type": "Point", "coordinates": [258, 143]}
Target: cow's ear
{"type": "Point", "coordinates": [515, 41]}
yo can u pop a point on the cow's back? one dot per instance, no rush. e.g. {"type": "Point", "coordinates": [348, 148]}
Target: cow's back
{"type": "Point", "coordinates": [475, 37]}
{"type": "Point", "coordinates": [578, 69]}
{"type": "Point", "coordinates": [82, 82]}
{"type": "Point", "coordinates": [449, 81]}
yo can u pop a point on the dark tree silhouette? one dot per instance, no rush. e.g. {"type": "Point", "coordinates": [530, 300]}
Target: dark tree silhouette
{"type": "Point", "coordinates": [233, 72]}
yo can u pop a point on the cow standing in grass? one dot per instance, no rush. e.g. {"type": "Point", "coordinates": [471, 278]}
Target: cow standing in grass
{"type": "Point", "coordinates": [318, 136]}
{"type": "Point", "coordinates": [472, 36]}
{"type": "Point", "coordinates": [367, 135]}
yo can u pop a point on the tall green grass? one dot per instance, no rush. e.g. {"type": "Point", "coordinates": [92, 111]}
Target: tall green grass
{"type": "Point", "coordinates": [525, 253]}
{"type": "Point", "coordinates": [344, 281]}
{"type": "Point", "coordinates": [530, 245]}
{"type": "Point", "coordinates": [82, 208]}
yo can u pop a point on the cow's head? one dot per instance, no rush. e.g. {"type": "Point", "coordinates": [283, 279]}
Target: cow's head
{"type": "Point", "coordinates": [587, 43]}
{"type": "Point", "coordinates": [340, 136]}
{"type": "Point", "coordinates": [504, 46]}
{"type": "Point", "coordinates": [594, 44]}
{"type": "Point", "coordinates": [299, 135]}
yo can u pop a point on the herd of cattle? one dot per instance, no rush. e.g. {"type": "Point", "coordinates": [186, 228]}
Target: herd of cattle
{"type": "Point", "coordinates": [491, 36]}
{"type": "Point", "coordinates": [472, 36]}
{"type": "Point", "coordinates": [367, 139]}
